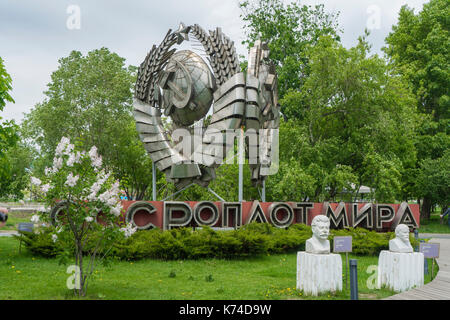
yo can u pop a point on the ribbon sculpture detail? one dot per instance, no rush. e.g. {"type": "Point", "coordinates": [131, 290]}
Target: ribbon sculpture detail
{"type": "Point", "coordinates": [177, 95]}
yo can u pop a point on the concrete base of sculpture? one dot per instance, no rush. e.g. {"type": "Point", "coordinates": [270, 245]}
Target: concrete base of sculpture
{"type": "Point", "coordinates": [400, 271]}
{"type": "Point", "coordinates": [317, 273]}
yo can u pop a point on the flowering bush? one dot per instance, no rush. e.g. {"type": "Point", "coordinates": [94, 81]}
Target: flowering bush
{"type": "Point", "coordinates": [91, 206]}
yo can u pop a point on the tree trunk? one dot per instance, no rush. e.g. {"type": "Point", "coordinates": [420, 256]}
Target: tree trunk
{"type": "Point", "coordinates": [425, 210]}
{"type": "Point", "coordinates": [79, 253]}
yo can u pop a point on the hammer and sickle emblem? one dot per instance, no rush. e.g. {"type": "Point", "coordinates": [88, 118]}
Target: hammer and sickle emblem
{"type": "Point", "coordinates": [180, 99]}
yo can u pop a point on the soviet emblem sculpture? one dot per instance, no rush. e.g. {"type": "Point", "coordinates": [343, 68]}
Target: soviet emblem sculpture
{"type": "Point", "coordinates": [215, 98]}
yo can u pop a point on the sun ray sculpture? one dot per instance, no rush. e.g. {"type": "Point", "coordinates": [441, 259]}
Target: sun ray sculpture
{"type": "Point", "coordinates": [208, 100]}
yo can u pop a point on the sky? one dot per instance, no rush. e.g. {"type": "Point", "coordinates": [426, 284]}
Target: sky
{"type": "Point", "coordinates": [34, 34]}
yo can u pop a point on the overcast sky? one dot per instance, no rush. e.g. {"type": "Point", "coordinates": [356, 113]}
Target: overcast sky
{"type": "Point", "coordinates": [34, 34]}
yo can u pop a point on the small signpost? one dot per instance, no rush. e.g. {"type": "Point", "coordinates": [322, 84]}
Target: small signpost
{"type": "Point", "coordinates": [343, 244]}
{"type": "Point", "coordinates": [430, 250]}
{"type": "Point", "coordinates": [24, 227]}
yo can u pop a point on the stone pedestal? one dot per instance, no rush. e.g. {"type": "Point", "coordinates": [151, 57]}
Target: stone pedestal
{"type": "Point", "coordinates": [400, 271]}
{"type": "Point", "coordinates": [317, 273]}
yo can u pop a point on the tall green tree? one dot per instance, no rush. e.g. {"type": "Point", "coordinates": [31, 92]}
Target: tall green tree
{"type": "Point", "coordinates": [288, 29]}
{"type": "Point", "coordinates": [89, 100]}
{"type": "Point", "coordinates": [419, 48]}
{"type": "Point", "coordinates": [8, 135]}
{"type": "Point", "coordinates": [16, 166]}
{"type": "Point", "coordinates": [8, 131]}
{"type": "Point", "coordinates": [356, 126]}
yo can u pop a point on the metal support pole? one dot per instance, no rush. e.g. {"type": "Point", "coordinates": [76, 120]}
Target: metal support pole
{"type": "Point", "coordinates": [153, 181]}
{"type": "Point", "coordinates": [416, 235]}
{"type": "Point", "coordinates": [346, 270]}
{"type": "Point", "coordinates": [241, 165]}
{"type": "Point", "coordinates": [432, 269]}
{"type": "Point", "coordinates": [263, 195]}
{"type": "Point", "coordinates": [174, 194]}
{"type": "Point", "coordinates": [353, 279]}
{"type": "Point", "coordinates": [425, 263]}
{"type": "Point", "coordinates": [217, 196]}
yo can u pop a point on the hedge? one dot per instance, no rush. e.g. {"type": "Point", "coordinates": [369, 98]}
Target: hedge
{"type": "Point", "coordinates": [250, 240]}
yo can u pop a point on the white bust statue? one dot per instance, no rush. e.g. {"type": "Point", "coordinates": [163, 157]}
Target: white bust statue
{"type": "Point", "coordinates": [401, 241]}
{"type": "Point", "coordinates": [319, 242]}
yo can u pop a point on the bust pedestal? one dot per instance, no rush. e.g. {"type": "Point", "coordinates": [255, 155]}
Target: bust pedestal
{"type": "Point", "coordinates": [400, 271]}
{"type": "Point", "coordinates": [317, 273]}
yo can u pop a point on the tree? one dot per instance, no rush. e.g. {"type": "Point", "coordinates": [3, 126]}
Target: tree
{"type": "Point", "coordinates": [89, 100]}
{"type": "Point", "coordinates": [90, 208]}
{"type": "Point", "coordinates": [356, 117]}
{"type": "Point", "coordinates": [419, 46]}
{"type": "Point", "coordinates": [433, 180]}
{"type": "Point", "coordinates": [419, 49]}
{"type": "Point", "coordinates": [16, 165]}
{"type": "Point", "coordinates": [8, 135]}
{"type": "Point", "coordinates": [8, 130]}
{"type": "Point", "coordinates": [288, 29]}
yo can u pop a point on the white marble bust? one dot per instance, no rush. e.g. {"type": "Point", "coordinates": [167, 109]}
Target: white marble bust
{"type": "Point", "coordinates": [319, 242]}
{"type": "Point", "coordinates": [401, 241]}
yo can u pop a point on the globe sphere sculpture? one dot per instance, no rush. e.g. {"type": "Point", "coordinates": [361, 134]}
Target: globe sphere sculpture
{"type": "Point", "coordinates": [187, 88]}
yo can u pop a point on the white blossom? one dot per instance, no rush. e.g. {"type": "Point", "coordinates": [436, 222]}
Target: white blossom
{"type": "Point", "coordinates": [72, 180]}
{"type": "Point", "coordinates": [93, 152]}
{"type": "Point", "coordinates": [117, 209]}
{"type": "Point", "coordinates": [57, 164]}
{"type": "Point", "coordinates": [78, 157]}
{"type": "Point", "coordinates": [97, 162]}
{"type": "Point", "coordinates": [71, 160]}
{"type": "Point", "coordinates": [46, 187]}
{"type": "Point", "coordinates": [89, 219]}
{"type": "Point", "coordinates": [61, 146]}
{"type": "Point", "coordinates": [35, 181]}
{"type": "Point", "coordinates": [112, 202]}
{"type": "Point", "coordinates": [54, 237]}
{"type": "Point", "coordinates": [35, 218]}
{"type": "Point", "coordinates": [69, 148]}
{"type": "Point", "coordinates": [95, 158]}
{"type": "Point", "coordinates": [128, 230]}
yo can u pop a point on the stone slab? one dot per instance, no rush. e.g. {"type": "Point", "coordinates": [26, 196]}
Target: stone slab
{"type": "Point", "coordinates": [400, 271]}
{"type": "Point", "coordinates": [318, 273]}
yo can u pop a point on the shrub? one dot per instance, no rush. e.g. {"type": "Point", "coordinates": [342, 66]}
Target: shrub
{"type": "Point", "coordinates": [41, 243]}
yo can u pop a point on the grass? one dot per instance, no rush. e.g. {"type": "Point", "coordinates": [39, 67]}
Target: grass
{"type": "Point", "coordinates": [14, 218]}
{"type": "Point", "coordinates": [433, 225]}
{"type": "Point", "coordinates": [23, 276]}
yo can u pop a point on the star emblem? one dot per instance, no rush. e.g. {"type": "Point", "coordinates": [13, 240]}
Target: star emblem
{"type": "Point", "coordinates": [183, 32]}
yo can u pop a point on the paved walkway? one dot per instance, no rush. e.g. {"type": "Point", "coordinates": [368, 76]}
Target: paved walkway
{"type": "Point", "coordinates": [8, 233]}
{"type": "Point", "coordinates": [439, 288]}
{"type": "Point", "coordinates": [434, 235]}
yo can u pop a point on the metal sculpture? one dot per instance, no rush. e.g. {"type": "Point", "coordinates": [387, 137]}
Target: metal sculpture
{"type": "Point", "coordinates": [181, 86]}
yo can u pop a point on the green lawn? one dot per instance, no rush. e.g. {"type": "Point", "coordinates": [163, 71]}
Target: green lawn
{"type": "Point", "coordinates": [23, 276]}
{"type": "Point", "coordinates": [434, 224]}
{"type": "Point", "coordinates": [14, 218]}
